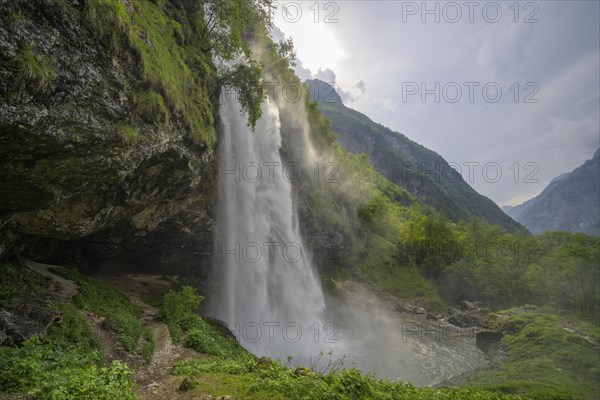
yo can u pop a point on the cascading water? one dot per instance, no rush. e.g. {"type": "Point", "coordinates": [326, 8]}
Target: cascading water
{"type": "Point", "coordinates": [268, 291]}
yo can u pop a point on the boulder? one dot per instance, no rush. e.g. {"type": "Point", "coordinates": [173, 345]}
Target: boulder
{"type": "Point", "coordinates": [264, 361]}
{"type": "Point", "coordinates": [466, 319]}
{"type": "Point", "coordinates": [15, 329]}
{"type": "Point", "coordinates": [466, 305]}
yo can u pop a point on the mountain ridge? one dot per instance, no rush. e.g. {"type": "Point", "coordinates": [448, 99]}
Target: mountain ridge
{"type": "Point", "coordinates": [568, 203]}
{"type": "Point", "coordinates": [406, 163]}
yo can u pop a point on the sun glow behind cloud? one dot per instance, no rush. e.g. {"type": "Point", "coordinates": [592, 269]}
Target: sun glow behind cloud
{"type": "Point", "coordinates": [315, 43]}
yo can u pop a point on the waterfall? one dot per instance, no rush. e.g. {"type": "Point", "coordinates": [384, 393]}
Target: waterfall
{"type": "Point", "coordinates": [268, 292]}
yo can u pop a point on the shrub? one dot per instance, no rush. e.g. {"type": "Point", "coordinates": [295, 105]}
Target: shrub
{"type": "Point", "coordinates": [178, 307]}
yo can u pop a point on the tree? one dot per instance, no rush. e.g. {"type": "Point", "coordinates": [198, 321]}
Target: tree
{"type": "Point", "coordinates": [245, 79]}
{"type": "Point", "coordinates": [224, 25]}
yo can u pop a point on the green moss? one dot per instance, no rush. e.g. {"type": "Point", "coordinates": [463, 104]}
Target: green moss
{"type": "Point", "coordinates": [150, 107]}
{"type": "Point", "coordinates": [17, 17]}
{"type": "Point", "coordinates": [34, 69]}
{"type": "Point", "coordinates": [547, 357]}
{"type": "Point", "coordinates": [129, 134]}
{"type": "Point", "coordinates": [183, 73]}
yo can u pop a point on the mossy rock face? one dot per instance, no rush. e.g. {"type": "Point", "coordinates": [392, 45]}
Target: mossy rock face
{"type": "Point", "coordinates": [80, 164]}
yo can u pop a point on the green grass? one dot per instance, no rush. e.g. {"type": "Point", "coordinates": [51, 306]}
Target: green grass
{"type": "Point", "coordinates": [121, 315]}
{"type": "Point", "coordinates": [545, 360]}
{"type": "Point", "coordinates": [35, 70]}
{"type": "Point", "coordinates": [179, 311]}
{"type": "Point", "coordinates": [179, 78]}
{"type": "Point", "coordinates": [130, 134]}
{"type": "Point", "coordinates": [182, 73]}
{"type": "Point", "coordinates": [72, 331]}
{"type": "Point", "coordinates": [245, 380]}
{"type": "Point", "coordinates": [151, 107]}
{"type": "Point", "coordinates": [205, 338]}
{"type": "Point", "coordinates": [110, 19]}
{"type": "Point", "coordinates": [64, 364]}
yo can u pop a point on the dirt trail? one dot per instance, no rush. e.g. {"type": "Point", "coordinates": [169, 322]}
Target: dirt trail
{"type": "Point", "coordinates": [155, 381]}
{"type": "Point", "coordinates": [69, 288]}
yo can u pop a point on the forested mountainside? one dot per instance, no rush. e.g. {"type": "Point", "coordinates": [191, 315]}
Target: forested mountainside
{"type": "Point", "coordinates": [110, 127]}
{"type": "Point", "coordinates": [421, 171]}
{"type": "Point", "coordinates": [569, 203]}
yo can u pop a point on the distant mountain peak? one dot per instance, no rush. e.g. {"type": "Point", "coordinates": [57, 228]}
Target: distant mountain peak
{"type": "Point", "coordinates": [323, 92]}
{"type": "Point", "coordinates": [570, 202]}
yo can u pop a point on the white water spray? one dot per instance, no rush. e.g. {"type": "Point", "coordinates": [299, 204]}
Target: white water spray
{"type": "Point", "coordinates": [268, 292]}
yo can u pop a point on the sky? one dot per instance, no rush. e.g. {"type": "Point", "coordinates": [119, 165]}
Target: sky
{"type": "Point", "coordinates": [507, 91]}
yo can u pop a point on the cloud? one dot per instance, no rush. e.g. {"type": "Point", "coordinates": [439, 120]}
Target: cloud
{"type": "Point", "coordinates": [302, 72]}
{"type": "Point", "coordinates": [388, 104]}
{"type": "Point", "coordinates": [326, 75]}
{"type": "Point", "coordinates": [560, 54]}
{"type": "Point", "coordinates": [349, 95]}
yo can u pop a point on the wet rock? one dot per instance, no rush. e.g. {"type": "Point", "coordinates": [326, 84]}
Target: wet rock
{"type": "Point", "coordinates": [43, 316]}
{"type": "Point", "coordinates": [188, 384]}
{"type": "Point", "coordinates": [221, 327]}
{"type": "Point", "coordinates": [301, 371]}
{"type": "Point", "coordinates": [264, 361]}
{"type": "Point", "coordinates": [432, 317]}
{"type": "Point", "coordinates": [486, 339]}
{"type": "Point", "coordinates": [467, 319]}
{"type": "Point", "coordinates": [411, 309]}
{"type": "Point", "coordinates": [15, 329]}
{"type": "Point", "coordinates": [153, 385]}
